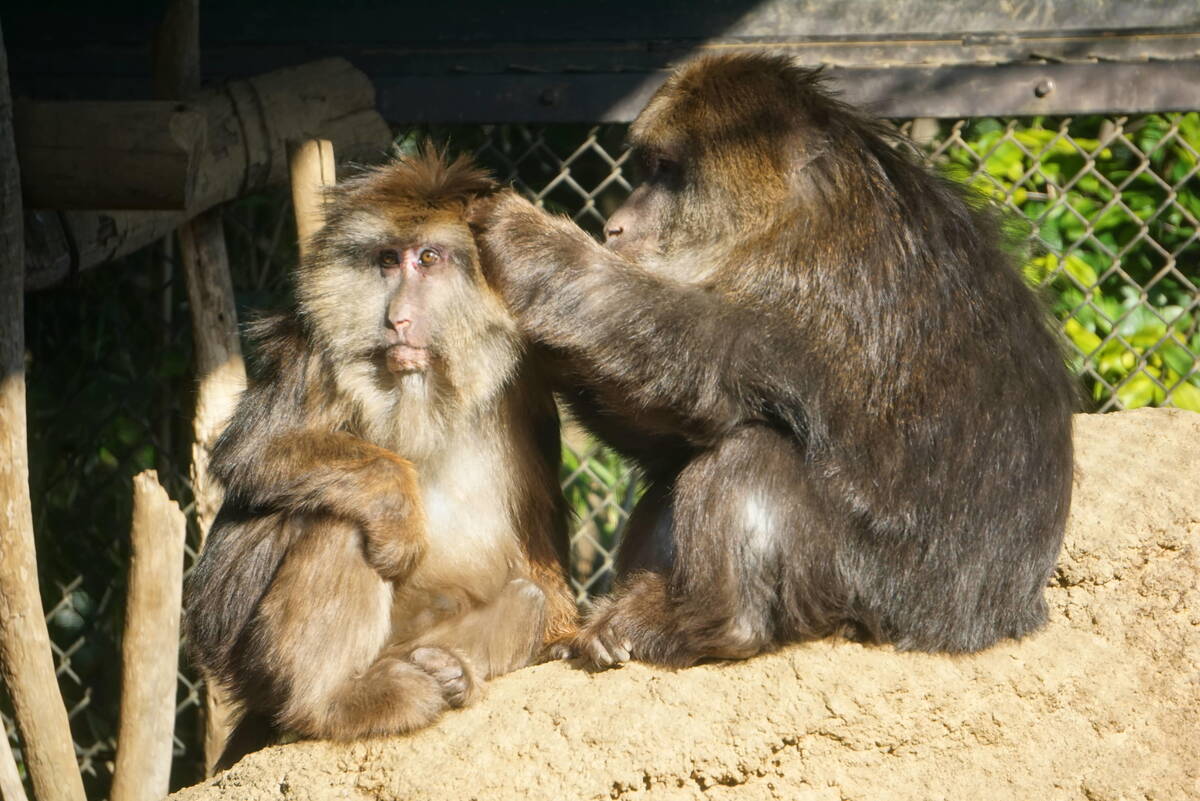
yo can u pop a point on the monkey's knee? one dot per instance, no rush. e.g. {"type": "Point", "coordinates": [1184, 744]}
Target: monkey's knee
{"type": "Point", "coordinates": [511, 630]}
{"type": "Point", "coordinates": [524, 597]}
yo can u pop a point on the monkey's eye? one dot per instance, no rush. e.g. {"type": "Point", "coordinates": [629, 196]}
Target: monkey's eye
{"type": "Point", "coordinates": [388, 258]}
{"type": "Point", "coordinates": [428, 257]}
{"type": "Point", "coordinates": [665, 166]}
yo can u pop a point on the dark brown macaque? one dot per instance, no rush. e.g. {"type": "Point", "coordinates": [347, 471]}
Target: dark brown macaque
{"type": "Point", "coordinates": [852, 414]}
{"type": "Point", "coordinates": [393, 532]}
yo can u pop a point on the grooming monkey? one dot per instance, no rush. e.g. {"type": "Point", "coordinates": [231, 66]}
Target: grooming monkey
{"type": "Point", "coordinates": [850, 410]}
{"type": "Point", "coordinates": [393, 531]}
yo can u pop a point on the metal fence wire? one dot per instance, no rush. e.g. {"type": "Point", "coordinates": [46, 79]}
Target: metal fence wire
{"type": "Point", "coordinates": [1108, 205]}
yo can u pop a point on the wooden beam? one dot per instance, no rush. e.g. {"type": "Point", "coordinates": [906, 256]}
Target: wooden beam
{"type": "Point", "coordinates": [26, 663]}
{"type": "Point", "coordinates": [150, 644]}
{"type": "Point", "coordinates": [249, 125]}
{"type": "Point", "coordinates": [88, 155]}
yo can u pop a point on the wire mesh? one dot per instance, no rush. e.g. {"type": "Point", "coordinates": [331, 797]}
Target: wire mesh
{"type": "Point", "coordinates": [1108, 205]}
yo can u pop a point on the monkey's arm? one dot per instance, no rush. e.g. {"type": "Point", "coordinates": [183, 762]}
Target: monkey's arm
{"type": "Point", "coordinates": [277, 455]}
{"type": "Point", "coordinates": [337, 474]}
{"type": "Point", "coordinates": [663, 345]}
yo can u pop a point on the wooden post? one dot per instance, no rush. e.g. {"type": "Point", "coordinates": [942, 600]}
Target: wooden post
{"type": "Point", "coordinates": [216, 348]}
{"type": "Point", "coordinates": [312, 169]}
{"type": "Point", "coordinates": [221, 376]}
{"type": "Point", "coordinates": [11, 788]}
{"type": "Point", "coordinates": [25, 659]}
{"type": "Point", "coordinates": [150, 644]}
{"type": "Point", "coordinates": [217, 351]}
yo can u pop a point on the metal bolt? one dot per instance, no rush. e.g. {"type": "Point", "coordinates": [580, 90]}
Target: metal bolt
{"type": "Point", "coordinates": [1044, 87]}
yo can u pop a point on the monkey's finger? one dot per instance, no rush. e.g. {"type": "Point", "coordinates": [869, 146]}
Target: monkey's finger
{"type": "Point", "coordinates": [619, 652]}
{"type": "Point", "coordinates": [597, 654]}
{"type": "Point", "coordinates": [605, 650]}
{"type": "Point", "coordinates": [559, 650]}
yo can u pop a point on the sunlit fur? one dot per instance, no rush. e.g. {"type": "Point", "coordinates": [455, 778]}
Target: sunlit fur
{"type": "Point", "coordinates": [851, 412]}
{"type": "Point", "coordinates": [389, 539]}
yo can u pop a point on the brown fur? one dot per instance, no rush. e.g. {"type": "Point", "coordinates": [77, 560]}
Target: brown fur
{"type": "Point", "coordinates": [389, 540]}
{"type": "Point", "coordinates": [851, 412]}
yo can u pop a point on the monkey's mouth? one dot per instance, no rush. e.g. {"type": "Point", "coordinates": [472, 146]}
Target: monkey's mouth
{"type": "Point", "coordinates": [407, 359]}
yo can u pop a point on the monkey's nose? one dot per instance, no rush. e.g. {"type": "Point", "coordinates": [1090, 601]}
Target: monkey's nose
{"type": "Point", "coordinates": [613, 230]}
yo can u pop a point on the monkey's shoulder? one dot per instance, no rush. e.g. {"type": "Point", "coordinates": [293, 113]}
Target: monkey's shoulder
{"type": "Point", "coordinates": [278, 342]}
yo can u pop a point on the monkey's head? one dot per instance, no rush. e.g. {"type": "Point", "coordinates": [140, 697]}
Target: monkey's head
{"type": "Point", "coordinates": [725, 144]}
{"type": "Point", "coordinates": [392, 289]}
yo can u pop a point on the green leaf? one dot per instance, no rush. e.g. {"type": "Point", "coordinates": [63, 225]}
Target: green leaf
{"type": "Point", "coordinates": [1186, 396]}
{"type": "Point", "coordinates": [1139, 391]}
{"type": "Point", "coordinates": [1085, 340]}
{"type": "Point", "coordinates": [1080, 270]}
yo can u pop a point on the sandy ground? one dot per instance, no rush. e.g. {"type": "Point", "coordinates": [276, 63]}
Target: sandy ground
{"type": "Point", "coordinates": [1102, 704]}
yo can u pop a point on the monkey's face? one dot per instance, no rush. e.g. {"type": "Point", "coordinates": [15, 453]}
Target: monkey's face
{"type": "Point", "coordinates": [399, 288]}
{"type": "Point", "coordinates": [718, 143]}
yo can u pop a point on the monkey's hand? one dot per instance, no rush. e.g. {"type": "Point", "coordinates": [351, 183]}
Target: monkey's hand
{"type": "Point", "coordinates": [638, 622]}
{"type": "Point", "coordinates": [602, 642]}
{"type": "Point", "coordinates": [342, 475]}
{"type": "Point", "coordinates": [525, 252]}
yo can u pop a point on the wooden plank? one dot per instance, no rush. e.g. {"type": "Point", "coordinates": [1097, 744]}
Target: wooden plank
{"type": "Point", "coordinates": [26, 663]}
{"type": "Point", "coordinates": [308, 22]}
{"type": "Point", "coordinates": [150, 644]}
{"type": "Point", "coordinates": [951, 91]}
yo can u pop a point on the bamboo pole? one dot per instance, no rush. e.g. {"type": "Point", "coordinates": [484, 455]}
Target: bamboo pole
{"type": "Point", "coordinates": [25, 659]}
{"type": "Point", "coordinates": [312, 169]}
{"type": "Point", "coordinates": [217, 351]}
{"type": "Point", "coordinates": [150, 644]}
{"type": "Point", "coordinates": [11, 788]}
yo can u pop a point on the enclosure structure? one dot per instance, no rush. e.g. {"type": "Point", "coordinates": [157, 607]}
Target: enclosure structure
{"type": "Point", "coordinates": [1081, 117]}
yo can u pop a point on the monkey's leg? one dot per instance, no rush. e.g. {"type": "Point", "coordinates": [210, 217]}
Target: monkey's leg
{"type": "Point", "coordinates": [704, 579]}
{"type": "Point", "coordinates": [322, 634]}
{"type": "Point", "coordinates": [500, 636]}
{"type": "Point", "coordinates": [561, 614]}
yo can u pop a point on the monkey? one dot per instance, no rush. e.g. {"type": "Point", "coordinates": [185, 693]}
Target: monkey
{"type": "Point", "coordinates": [852, 416]}
{"type": "Point", "coordinates": [392, 533]}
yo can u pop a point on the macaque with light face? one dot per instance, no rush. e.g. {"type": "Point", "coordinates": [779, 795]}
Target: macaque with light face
{"type": "Point", "coordinates": [393, 532]}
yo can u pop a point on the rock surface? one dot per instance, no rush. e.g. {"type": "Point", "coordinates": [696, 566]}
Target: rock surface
{"type": "Point", "coordinates": [1102, 704]}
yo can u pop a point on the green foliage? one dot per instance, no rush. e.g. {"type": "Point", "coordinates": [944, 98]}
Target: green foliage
{"type": "Point", "coordinates": [1116, 207]}
{"type": "Point", "coordinates": [600, 489]}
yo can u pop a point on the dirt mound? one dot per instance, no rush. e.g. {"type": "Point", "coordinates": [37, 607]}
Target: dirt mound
{"type": "Point", "coordinates": [1102, 704]}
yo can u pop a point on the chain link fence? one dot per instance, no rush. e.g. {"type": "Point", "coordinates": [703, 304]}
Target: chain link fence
{"type": "Point", "coordinates": [1107, 206]}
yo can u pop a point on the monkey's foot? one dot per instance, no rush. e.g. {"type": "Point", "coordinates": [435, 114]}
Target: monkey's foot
{"type": "Point", "coordinates": [452, 673]}
{"type": "Point", "coordinates": [602, 642]}
{"type": "Point", "coordinates": [556, 650]}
